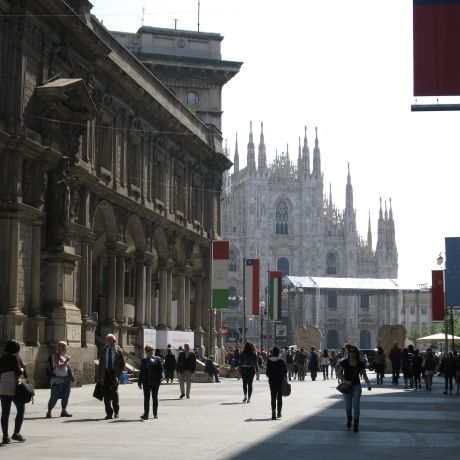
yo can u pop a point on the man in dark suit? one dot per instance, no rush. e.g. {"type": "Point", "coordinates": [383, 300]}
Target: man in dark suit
{"type": "Point", "coordinates": [186, 366]}
{"type": "Point", "coordinates": [111, 363]}
{"type": "Point", "coordinates": [150, 379]}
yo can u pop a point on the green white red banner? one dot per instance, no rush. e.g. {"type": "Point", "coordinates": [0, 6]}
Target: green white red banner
{"type": "Point", "coordinates": [220, 291]}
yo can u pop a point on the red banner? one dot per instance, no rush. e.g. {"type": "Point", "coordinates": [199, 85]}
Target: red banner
{"type": "Point", "coordinates": [437, 295]}
{"type": "Point", "coordinates": [436, 47]}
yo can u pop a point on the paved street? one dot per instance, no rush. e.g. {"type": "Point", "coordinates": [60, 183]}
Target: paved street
{"type": "Point", "coordinates": [215, 424]}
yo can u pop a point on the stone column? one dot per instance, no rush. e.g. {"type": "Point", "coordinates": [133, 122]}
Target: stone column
{"type": "Point", "coordinates": [181, 300]}
{"type": "Point", "coordinates": [120, 292]}
{"type": "Point", "coordinates": [148, 292]}
{"type": "Point", "coordinates": [197, 311]}
{"type": "Point", "coordinates": [139, 316]}
{"type": "Point", "coordinates": [86, 276]}
{"type": "Point", "coordinates": [112, 284]}
{"type": "Point", "coordinates": [169, 294]}
{"type": "Point", "coordinates": [188, 273]}
{"type": "Point", "coordinates": [13, 259]}
{"type": "Point", "coordinates": [162, 298]}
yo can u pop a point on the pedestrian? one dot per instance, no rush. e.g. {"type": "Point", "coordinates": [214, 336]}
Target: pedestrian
{"type": "Point", "coordinates": [395, 358]}
{"type": "Point", "coordinates": [406, 367]}
{"type": "Point", "coordinates": [417, 363]}
{"type": "Point", "coordinates": [60, 380]}
{"type": "Point", "coordinates": [350, 371]}
{"type": "Point", "coordinates": [248, 369]}
{"type": "Point", "coordinates": [170, 365]}
{"type": "Point", "coordinates": [11, 370]}
{"type": "Point", "coordinates": [186, 366]}
{"type": "Point", "coordinates": [448, 368]}
{"type": "Point", "coordinates": [333, 361]}
{"type": "Point", "coordinates": [457, 370]}
{"type": "Point", "coordinates": [379, 365]}
{"type": "Point", "coordinates": [301, 361]}
{"type": "Point", "coordinates": [276, 373]}
{"type": "Point", "coordinates": [313, 363]}
{"type": "Point", "coordinates": [234, 364]}
{"type": "Point", "coordinates": [325, 364]}
{"type": "Point", "coordinates": [211, 369]}
{"type": "Point", "coordinates": [111, 363]}
{"type": "Point", "coordinates": [150, 378]}
{"type": "Point", "coordinates": [289, 357]}
{"type": "Point", "coordinates": [429, 368]}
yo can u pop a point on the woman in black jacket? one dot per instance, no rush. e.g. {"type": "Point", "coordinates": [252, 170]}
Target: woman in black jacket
{"type": "Point", "coordinates": [276, 373]}
{"type": "Point", "coordinates": [150, 379]}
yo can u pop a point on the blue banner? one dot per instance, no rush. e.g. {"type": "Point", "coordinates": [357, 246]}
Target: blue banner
{"type": "Point", "coordinates": [453, 272]}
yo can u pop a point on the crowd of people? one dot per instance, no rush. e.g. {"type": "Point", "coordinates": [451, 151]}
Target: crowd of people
{"type": "Point", "coordinates": [280, 366]}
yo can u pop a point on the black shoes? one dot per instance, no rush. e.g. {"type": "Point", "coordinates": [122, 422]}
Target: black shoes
{"type": "Point", "coordinates": [349, 419]}
{"type": "Point", "coordinates": [144, 417]}
{"type": "Point", "coordinates": [64, 413]}
{"type": "Point", "coordinates": [182, 396]}
{"type": "Point", "coordinates": [108, 417]}
{"type": "Point", "coordinates": [6, 440]}
{"type": "Point", "coordinates": [18, 437]}
{"type": "Point", "coordinates": [245, 399]}
{"type": "Point", "coordinates": [273, 415]}
{"type": "Point", "coordinates": [355, 425]}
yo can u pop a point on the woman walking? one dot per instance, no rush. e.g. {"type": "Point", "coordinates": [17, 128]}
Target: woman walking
{"type": "Point", "coordinates": [429, 366]}
{"type": "Point", "coordinates": [276, 373]}
{"type": "Point", "coordinates": [350, 371]}
{"type": "Point", "coordinates": [248, 369]}
{"type": "Point", "coordinates": [170, 366]}
{"type": "Point", "coordinates": [61, 380]}
{"type": "Point", "coordinates": [333, 361]}
{"type": "Point", "coordinates": [379, 365]}
{"type": "Point", "coordinates": [417, 363]}
{"type": "Point", "coordinates": [11, 369]}
{"type": "Point", "coordinates": [325, 364]}
{"type": "Point", "coordinates": [150, 379]}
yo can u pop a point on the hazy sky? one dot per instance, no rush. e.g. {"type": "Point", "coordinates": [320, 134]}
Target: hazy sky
{"type": "Point", "coordinates": [346, 67]}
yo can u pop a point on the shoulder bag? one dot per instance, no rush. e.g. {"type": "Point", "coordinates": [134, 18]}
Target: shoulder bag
{"type": "Point", "coordinates": [285, 387]}
{"type": "Point", "coordinates": [25, 392]}
{"type": "Point", "coordinates": [345, 388]}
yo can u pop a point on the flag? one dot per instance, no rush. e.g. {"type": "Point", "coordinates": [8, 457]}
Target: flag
{"type": "Point", "coordinates": [436, 47]}
{"type": "Point", "coordinates": [274, 299]}
{"type": "Point", "coordinates": [251, 287]}
{"type": "Point", "coordinates": [437, 295]}
{"type": "Point", "coordinates": [453, 272]}
{"type": "Point", "coordinates": [220, 291]}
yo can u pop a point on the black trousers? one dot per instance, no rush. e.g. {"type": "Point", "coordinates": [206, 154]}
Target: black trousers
{"type": "Point", "coordinates": [247, 374]}
{"type": "Point", "coordinates": [6, 408]}
{"type": "Point", "coordinates": [276, 397]}
{"type": "Point", "coordinates": [151, 390]}
{"type": "Point", "coordinates": [111, 394]}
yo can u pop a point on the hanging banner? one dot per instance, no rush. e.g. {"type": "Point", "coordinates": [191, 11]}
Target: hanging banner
{"type": "Point", "coordinates": [251, 286]}
{"type": "Point", "coordinates": [453, 272]}
{"type": "Point", "coordinates": [437, 295]}
{"type": "Point", "coordinates": [436, 47]}
{"type": "Point", "coordinates": [274, 299]}
{"type": "Point", "coordinates": [220, 291]}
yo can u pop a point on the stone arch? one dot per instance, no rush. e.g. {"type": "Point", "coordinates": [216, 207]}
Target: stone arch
{"type": "Point", "coordinates": [179, 252]}
{"type": "Point", "coordinates": [135, 230]}
{"type": "Point", "coordinates": [283, 216]}
{"type": "Point", "coordinates": [104, 221]}
{"type": "Point", "coordinates": [160, 243]}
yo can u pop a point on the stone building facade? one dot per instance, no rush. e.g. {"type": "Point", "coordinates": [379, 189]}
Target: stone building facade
{"type": "Point", "coordinates": [279, 213]}
{"type": "Point", "coordinates": [110, 191]}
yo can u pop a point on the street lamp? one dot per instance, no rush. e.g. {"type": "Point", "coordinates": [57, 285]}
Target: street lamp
{"type": "Point", "coordinates": [291, 290]}
{"type": "Point", "coordinates": [447, 311]}
{"type": "Point", "coordinates": [238, 298]}
{"type": "Point", "coordinates": [262, 313]}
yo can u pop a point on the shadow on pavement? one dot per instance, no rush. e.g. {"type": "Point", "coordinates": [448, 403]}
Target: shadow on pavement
{"type": "Point", "coordinates": [78, 420]}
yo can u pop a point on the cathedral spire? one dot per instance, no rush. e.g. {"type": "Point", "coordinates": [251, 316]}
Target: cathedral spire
{"type": "Point", "coordinates": [316, 157]}
{"type": "Point", "coordinates": [251, 159]}
{"type": "Point", "coordinates": [236, 157]}
{"type": "Point", "coordinates": [349, 192]}
{"type": "Point", "coordinates": [299, 161]}
{"type": "Point", "coordinates": [262, 160]}
{"type": "Point", "coordinates": [306, 154]}
{"type": "Point", "coordinates": [369, 235]}
{"type": "Point", "coordinates": [330, 208]}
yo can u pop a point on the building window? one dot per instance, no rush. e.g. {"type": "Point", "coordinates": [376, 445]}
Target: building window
{"type": "Point", "coordinates": [283, 266]}
{"type": "Point", "coordinates": [365, 340]}
{"type": "Point", "coordinates": [332, 300]}
{"type": "Point", "coordinates": [331, 264]}
{"type": "Point", "coordinates": [412, 310]}
{"type": "Point", "coordinates": [364, 300]}
{"type": "Point", "coordinates": [424, 310]}
{"type": "Point", "coordinates": [135, 165]}
{"type": "Point", "coordinates": [403, 310]}
{"type": "Point", "coordinates": [192, 99]}
{"type": "Point", "coordinates": [332, 339]}
{"type": "Point", "coordinates": [282, 216]}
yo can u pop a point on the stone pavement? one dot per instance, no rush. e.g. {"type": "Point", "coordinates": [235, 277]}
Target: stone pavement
{"type": "Point", "coordinates": [215, 424]}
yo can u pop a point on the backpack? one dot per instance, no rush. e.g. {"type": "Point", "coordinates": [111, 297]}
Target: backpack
{"type": "Point", "coordinates": [49, 369]}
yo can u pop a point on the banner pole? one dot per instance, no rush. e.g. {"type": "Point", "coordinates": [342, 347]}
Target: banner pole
{"type": "Point", "coordinates": [243, 332]}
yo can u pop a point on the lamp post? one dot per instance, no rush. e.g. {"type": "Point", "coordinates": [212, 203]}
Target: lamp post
{"type": "Point", "coordinates": [440, 261]}
{"type": "Point", "coordinates": [238, 298]}
{"type": "Point", "coordinates": [291, 290]}
{"type": "Point", "coordinates": [262, 313]}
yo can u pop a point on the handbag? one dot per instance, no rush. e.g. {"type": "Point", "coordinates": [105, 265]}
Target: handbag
{"type": "Point", "coordinates": [98, 392]}
{"type": "Point", "coordinates": [285, 387]}
{"type": "Point", "coordinates": [343, 388]}
{"type": "Point", "coordinates": [25, 392]}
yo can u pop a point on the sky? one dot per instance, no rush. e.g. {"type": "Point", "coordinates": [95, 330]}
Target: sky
{"type": "Point", "coordinates": [346, 68]}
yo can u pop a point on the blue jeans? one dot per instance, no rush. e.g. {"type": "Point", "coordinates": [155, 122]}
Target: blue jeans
{"type": "Point", "coordinates": [247, 374]}
{"type": "Point", "coordinates": [352, 400]}
{"type": "Point", "coordinates": [59, 391]}
{"type": "Point", "coordinates": [6, 408]}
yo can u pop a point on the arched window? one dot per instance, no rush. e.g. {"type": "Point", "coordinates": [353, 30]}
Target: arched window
{"type": "Point", "coordinates": [283, 266]}
{"type": "Point", "coordinates": [332, 339]}
{"type": "Point", "coordinates": [282, 216]}
{"type": "Point", "coordinates": [331, 264]}
{"type": "Point", "coordinates": [233, 261]}
{"type": "Point", "coordinates": [365, 340]}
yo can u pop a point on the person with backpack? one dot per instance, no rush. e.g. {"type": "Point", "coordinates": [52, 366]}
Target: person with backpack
{"type": "Point", "coordinates": [290, 362]}
{"type": "Point", "coordinates": [150, 378]}
{"type": "Point", "coordinates": [60, 380]}
{"type": "Point", "coordinates": [11, 370]}
{"type": "Point", "coordinates": [276, 373]}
